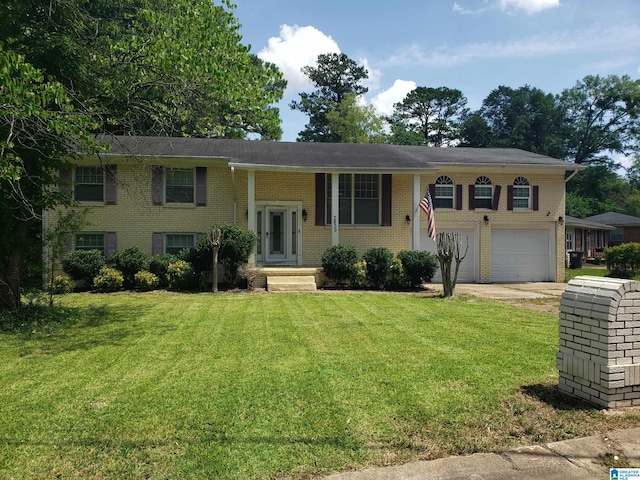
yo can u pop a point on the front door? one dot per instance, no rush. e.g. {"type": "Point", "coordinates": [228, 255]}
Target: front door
{"type": "Point", "coordinates": [279, 236]}
{"type": "Point", "coordinates": [276, 234]}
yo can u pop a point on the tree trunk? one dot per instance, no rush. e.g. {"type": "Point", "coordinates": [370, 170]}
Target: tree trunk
{"type": "Point", "coordinates": [448, 250]}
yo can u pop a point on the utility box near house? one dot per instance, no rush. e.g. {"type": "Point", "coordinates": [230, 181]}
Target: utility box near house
{"type": "Point", "coordinates": [599, 355]}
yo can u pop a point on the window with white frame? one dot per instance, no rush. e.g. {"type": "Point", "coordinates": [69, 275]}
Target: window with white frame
{"type": "Point", "coordinates": [176, 242]}
{"type": "Point", "coordinates": [483, 193]}
{"type": "Point", "coordinates": [89, 241]}
{"type": "Point", "coordinates": [521, 194]}
{"type": "Point", "coordinates": [180, 185]}
{"type": "Point", "coordinates": [88, 184]}
{"type": "Point", "coordinates": [568, 240]}
{"type": "Point", "coordinates": [358, 199]}
{"type": "Point", "coordinates": [443, 192]}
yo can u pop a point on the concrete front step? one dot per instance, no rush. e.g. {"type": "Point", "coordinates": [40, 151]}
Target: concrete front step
{"type": "Point", "coordinates": [291, 283]}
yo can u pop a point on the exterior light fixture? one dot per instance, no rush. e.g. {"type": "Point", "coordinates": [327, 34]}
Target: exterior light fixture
{"type": "Point", "coordinates": [561, 220]}
{"type": "Point", "coordinates": [407, 219]}
{"type": "Point", "coordinates": [305, 215]}
{"type": "Point", "coordinates": [486, 219]}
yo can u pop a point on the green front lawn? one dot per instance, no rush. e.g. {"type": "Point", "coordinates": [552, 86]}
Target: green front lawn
{"type": "Point", "coordinates": [164, 385]}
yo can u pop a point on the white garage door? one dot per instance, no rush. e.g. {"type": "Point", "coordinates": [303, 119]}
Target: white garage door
{"type": "Point", "coordinates": [520, 256]}
{"type": "Point", "coordinates": [467, 267]}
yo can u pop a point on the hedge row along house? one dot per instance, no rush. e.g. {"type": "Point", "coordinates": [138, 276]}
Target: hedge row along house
{"type": "Point", "coordinates": [162, 193]}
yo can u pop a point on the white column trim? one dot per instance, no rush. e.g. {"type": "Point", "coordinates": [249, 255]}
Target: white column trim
{"type": "Point", "coordinates": [415, 230]}
{"type": "Point", "coordinates": [251, 209]}
{"type": "Point", "coordinates": [335, 208]}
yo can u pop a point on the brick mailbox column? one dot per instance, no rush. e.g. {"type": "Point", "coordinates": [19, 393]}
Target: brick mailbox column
{"type": "Point", "coordinates": [599, 355]}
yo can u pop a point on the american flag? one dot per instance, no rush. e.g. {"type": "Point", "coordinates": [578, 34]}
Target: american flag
{"type": "Point", "coordinates": [426, 204]}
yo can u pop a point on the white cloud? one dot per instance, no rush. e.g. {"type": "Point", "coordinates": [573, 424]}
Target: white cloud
{"type": "Point", "coordinates": [373, 81]}
{"type": "Point", "coordinates": [384, 101]}
{"type": "Point", "coordinates": [529, 6]}
{"type": "Point", "coordinates": [294, 48]}
{"type": "Point", "coordinates": [597, 38]}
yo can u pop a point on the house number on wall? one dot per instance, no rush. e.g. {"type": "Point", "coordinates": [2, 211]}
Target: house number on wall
{"type": "Point", "coordinates": [335, 223]}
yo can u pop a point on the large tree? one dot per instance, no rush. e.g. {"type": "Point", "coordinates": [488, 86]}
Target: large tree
{"type": "Point", "coordinates": [525, 118]}
{"type": "Point", "coordinates": [356, 123]}
{"type": "Point", "coordinates": [161, 67]}
{"type": "Point", "coordinates": [603, 118]}
{"type": "Point", "coordinates": [335, 76]}
{"type": "Point", "coordinates": [39, 133]}
{"type": "Point", "coordinates": [428, 116]}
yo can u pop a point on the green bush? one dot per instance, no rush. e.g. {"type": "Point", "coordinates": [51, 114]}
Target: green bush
{"type": "Point", "coordinates": [181, 276]}
{"type": "Point", "coordinates": [419, 266]}
{"type": "Point", "coordinates": [338, 262]}
{"type": "Point", "coordinates": [623, 261]}
{"type": "Point", "coordinates": [358, 278]}
{"type": "Point", "coordinates": [83, 264]}
{"type": "Point", "coordinates": [129, 261]}
{"type": "Point", "coordinates": [397, 279]}
{"type": "Point", "coordinates": [379, 261]}
{"type": "Point", "coordinates": [237, 245]}
{"type": "Point", "coordinates": [61, 284]}
{"type": "Point", "coordinates": [108, 280]}
{"type": "Point", "coordinates": [159, 264]}
{"type": "Point", "coordinates": [146, 281]}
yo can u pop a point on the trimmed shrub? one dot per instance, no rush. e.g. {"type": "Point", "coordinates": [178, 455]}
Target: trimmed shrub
{"type": "Point", "coordinates": [338, 262]}
{"type": "Point", "coordinates": [158, 266]}
{"type": "Point", "coordinates": [379, 261]}
{"type": "Point", "coordinates": [623, 261]}
{"type": "Point", "coordinates": [237, 245]}
{"type": "Point", "coordinates": [61, 284]}
{"type": "Point", "coordinates": [358, 278]}
{"type": "Point", "coordinates": [129, 261]}
{"type": "Point", "coordinates": [146, 281]}
{"type": "Point", "coordinates": [397, 279]}
{"type": "Point", "coordinates": [181, 276]}
{"type": "Point", "coordinates": [83, 264]}
{"type": "Point", "coordinates": [108, 280]}
{"type": "Point", "coordinates": [419, 266]}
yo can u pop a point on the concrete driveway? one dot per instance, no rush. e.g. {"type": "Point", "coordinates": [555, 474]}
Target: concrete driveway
{"type": "Point", "coordinates": [513, 291]}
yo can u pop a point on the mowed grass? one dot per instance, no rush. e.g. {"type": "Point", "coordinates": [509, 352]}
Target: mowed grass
{"type": "Point", "coordinates": [237, 386]}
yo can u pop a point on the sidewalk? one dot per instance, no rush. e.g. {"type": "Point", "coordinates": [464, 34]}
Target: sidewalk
{"type": "Point", "coordinates": [577, 459]}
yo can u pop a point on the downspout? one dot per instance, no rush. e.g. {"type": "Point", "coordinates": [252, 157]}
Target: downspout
{"type": "Point", "coordinates": [575, 172]}
{"type": "Point", "coordinates": [235, 200]}
{"type": "Point", "coordinates": [47, 252]}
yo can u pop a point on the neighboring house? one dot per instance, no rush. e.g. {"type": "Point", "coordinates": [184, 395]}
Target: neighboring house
{"type": "Point", "coordinates": [626, 228]}
{"type": "Point", "coordinates": [586, 236]}
{"type": "Point", "coordinates": [162, 193]}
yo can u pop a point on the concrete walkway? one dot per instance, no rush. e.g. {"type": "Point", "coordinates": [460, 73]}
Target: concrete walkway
{"type": "Point", "coordinates": [577, 459]}
{"type": "Point", "coordinates": [513, 291]}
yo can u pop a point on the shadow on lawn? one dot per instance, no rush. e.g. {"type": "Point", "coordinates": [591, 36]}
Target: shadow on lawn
{"type": "Point", "coordinates": [51, 330]}
{"type": "Point", "coordinates": [553, 397]}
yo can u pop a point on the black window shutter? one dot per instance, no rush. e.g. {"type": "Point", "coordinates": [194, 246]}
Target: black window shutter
{"type": "Point", "coordinates": [536, 196]}
{"type": "Point", "coordinates": [459, 197]}
{"type": "Point", "coordinates": [110, 176]}
{"type": "Point", "coordinates": [472, 197]}
{"type": "Point", "coordinates": [509, 197]}
{"type": "Point", "coordinates": [201, 186]}
{"type": "Point", "coordinates": [157, 243]}
{"type": "Point", "coordinates": [320, 199]}
{"type": "Point", "coordinates": [386, 200]}
{"type": "Point", "coordinates": [65, 181]}
{"type": "Point", "coordinates": [496, 198]}
{"type": "Point", "coordinates": [110, 244]}
{"type": "Point", "coordinates": [156, 185]}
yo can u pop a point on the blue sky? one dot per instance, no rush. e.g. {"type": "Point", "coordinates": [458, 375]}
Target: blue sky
{"type": "Point", "coordinates": [472, 45]}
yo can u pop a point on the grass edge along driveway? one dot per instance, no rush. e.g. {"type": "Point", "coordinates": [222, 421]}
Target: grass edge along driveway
{"type": "Point", "coordinates": [164, 385]}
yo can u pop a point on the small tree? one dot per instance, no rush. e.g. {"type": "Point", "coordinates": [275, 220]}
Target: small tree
{"type": "Point", "coordinates": [214, 236]}
{"type": "Point", "coordinates": [448, 250]}
{"type": "Point", "coordinates": [56, 237]}
{"type": "Point", "coordinates": [235, 248]}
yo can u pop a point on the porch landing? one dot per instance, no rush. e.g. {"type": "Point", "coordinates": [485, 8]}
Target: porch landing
{"type": "Point", "coordinates": [290, 279]}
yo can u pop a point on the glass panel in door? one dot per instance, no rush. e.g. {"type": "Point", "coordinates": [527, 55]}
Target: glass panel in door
{"type": "Point", "coordinates": [277, 237]}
